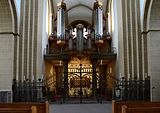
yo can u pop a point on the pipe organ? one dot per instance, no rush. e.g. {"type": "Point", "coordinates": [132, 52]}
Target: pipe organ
{"type": "Point", "coordinates": [98, 22]}
{"type": "Point", "coordinates": [77, 40]}
{"type": "Point", "coordinates": [89, 44]}
{"type": "Point", "coordinates": [70, 39]}
{"type": "Point", "coordinates": [61, 23]}
{"type": "Point", "coordinates": [80, 37]}
{"type": "Point", "coordinates": [77, 51]}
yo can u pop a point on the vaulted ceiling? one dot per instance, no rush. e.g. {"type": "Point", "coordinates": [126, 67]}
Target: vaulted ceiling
{"type": "Point", "coordinates": [79, 9]}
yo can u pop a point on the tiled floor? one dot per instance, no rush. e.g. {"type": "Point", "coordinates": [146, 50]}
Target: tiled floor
{"type": "Point", "coordinates": [81, 108]}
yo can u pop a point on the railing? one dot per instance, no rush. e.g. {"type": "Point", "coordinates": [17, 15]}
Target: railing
{"type": "Point", "coordinates": [132, 89]}
{"type": "Point", "coordinates": [28, 91]}
{"type": "Point", "coordinates": [5, 96]}
{"type": "Point", "coordinates": [48, 51]}
{"type": "Point", "coordinates": [106, 86]}
{"type": "Point", "coordinates": [32, 91]}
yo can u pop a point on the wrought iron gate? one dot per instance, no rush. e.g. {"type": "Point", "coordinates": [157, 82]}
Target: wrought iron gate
{"type": "Point", "coordinates": [80, 84]}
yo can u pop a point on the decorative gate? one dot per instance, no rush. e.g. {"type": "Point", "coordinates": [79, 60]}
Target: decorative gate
{"type": "Point", "coordinates": [83, 85]}
{"type": "Point", "coordinates": [80, 83]}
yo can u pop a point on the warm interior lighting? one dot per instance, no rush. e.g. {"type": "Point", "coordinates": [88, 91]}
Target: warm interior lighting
{"type": "Point", "coordinates": [60, 63]}
{"type": "Point", "coordinates": [101, 62]}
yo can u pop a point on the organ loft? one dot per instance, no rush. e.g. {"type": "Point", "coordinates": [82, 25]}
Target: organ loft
{"type": "Point", "coordinates": [79, 50]}
{"type": "Point", "coordinates": [82, 55]}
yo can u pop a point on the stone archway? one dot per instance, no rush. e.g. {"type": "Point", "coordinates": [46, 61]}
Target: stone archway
{"type": "Point", "coordinates": [8, 32]}
{"type": "Point", "coordinates": [151, 38]}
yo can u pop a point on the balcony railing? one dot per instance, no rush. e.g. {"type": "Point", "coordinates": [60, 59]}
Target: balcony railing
{"type": "Point", "coordinates": [132, 89]}
{"type": "Point", "coordinates": [56, 51]}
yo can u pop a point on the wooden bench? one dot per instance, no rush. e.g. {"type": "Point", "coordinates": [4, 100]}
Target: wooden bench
{"type": "Point", "coordinates": [33, 109]}
{"type": "Point", "coordinates": [117, 106]}
{"type": "Point", "coordinates": [41, 107]}
{"type": "Point", "coordinates": [125, 109]}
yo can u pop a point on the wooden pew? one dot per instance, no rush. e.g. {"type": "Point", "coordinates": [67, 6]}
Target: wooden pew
{"type": "Point", "coordinates": [117, 106]}
{"type": "Point", "coordinates": [33, 109]}
{"type": "Point", "coordinates": [125, 109]}
{"type": "Point", "coordinates": [41, 107]}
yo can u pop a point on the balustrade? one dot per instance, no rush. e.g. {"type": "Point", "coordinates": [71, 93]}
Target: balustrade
{"type": "Point", "coordinates": [132, 89]}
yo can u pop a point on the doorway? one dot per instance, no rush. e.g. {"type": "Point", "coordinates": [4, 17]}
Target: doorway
{"type": "Point", "coordinates": [80, 82]}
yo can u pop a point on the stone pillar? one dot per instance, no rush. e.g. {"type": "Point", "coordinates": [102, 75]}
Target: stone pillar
{"type": "Point", "coordinates": [29, 47]}
{"type": "Point", "coordinates": [6, 59]}
{"type": "Point", "coordinates": [131, 42]}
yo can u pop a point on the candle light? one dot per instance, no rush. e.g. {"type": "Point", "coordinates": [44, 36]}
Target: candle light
{"type": "Point", "coordinates": [101, 62]}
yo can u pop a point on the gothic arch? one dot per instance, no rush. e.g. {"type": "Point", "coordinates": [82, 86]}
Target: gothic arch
{"type": "Point", "coordinates": [85, 14]}
{"type": "Point", "coordinates": [151, 34]}
{"type": "Point", "coordinates": [154, 22]}
{"type": "Point", "coordinates": [146, 14]}
{"type": "Point", "coordinates": [8, 37]}
{"type": "Point", "coordinates": [79, 5]}
{"type": "Point", "coordinates": [14, 16]}
{"type": "Point", "coordinates": [8, 18]}
{"type": "Point", "coordinates": [151, 18]}
{"type": "Point", "coordinates": [85, 23]}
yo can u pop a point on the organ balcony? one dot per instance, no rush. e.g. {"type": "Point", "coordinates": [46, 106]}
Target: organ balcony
{"type": "Point", "coordinates": [72, 47]}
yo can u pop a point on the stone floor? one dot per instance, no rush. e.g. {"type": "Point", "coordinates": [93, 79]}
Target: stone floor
{"type": "Point", "coordinates": [81, 108]}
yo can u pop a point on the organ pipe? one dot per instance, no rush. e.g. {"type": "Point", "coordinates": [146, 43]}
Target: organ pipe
{"type": "Point", "coordinates": [61, 23]}
{"type": "Point", "coordinates": [89, 38]}
{"type": "Point", "coordinates": [98, 20]}
{"type": "Point", "coordinates": [70, 39]}
{"type": "Point", "coordinates": [79, 37]}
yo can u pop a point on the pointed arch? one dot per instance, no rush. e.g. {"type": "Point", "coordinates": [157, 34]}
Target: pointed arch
{"type": "Point", "coordinates": [14, 16]}
{"type": "Point", "coordinates": [151, 35]}
{"type": "Point", "coordinates": [79, 5]}
{"type": "Point", "coordinates": [8, 36]}
{"type": "Point", "coordinates": [146, 14]}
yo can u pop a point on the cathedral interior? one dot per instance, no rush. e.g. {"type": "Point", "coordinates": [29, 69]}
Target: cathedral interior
{"type": "Point", "coordinates": [79, 50]}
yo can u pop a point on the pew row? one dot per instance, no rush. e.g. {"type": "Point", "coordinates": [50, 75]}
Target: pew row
{"type": "Point", "coordinates": [125, 109]}
{"type": "Point", "coordinates": [117, 106]}
{"type": "Point", "coordinates": [33, 109]}
{"type": "Point", "coordinates": [40, 107]}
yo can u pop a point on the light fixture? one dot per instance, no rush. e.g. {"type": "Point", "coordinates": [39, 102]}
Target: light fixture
{"type": "Point", "coordinates": [60, 63]}
{"type": "Point", "coordinates": [101, 61]}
